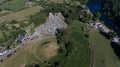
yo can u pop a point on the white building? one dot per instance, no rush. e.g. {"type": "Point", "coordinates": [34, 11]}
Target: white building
{"type": "Point", "coordinates": [116, 40]}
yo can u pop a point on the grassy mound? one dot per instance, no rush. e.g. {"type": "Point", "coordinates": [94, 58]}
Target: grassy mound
{"type": "Point", "coordinates": [31, 54]}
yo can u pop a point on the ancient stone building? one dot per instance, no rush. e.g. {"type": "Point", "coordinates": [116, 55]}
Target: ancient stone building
{"type": "Point", "coordinates": [53, 22]}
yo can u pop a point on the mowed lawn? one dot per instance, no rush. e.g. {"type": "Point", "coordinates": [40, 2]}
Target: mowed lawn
{"type": "Point", "coordinates": [29, 55]}
{"type": "Point", "coordinates": [103, 52]}
{"type": "Point", "coordinates": [14, 5]}
{"type": "Point", "coordinates": [21, 15]}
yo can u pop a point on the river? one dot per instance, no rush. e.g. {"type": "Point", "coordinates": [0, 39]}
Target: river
{"type": "Point", "coordinates": [95, 7]}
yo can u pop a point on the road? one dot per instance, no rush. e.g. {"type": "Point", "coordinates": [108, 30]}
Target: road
{"type": "Point", "coordinates": [22, 45]}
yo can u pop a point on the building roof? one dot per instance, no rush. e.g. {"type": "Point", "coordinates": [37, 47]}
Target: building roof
{"type": "Point", "coordinates": [116, 39]}
{"type": "Point", "coordinates": [20, 37]}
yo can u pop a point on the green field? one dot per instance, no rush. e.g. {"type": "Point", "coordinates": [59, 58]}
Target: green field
{"type": "Point", "coordinates": [103, 52]}
{"type": "Point", "coordinates": [2, 1]}
{"type": "Point", "coordinates": [80, 57]}
{"type": "Point", "coordinates": [21, 15]}
{"type": "Point", "coordinates": [30, 54]}
{"type": "Point", "coordinates": [14, 5]}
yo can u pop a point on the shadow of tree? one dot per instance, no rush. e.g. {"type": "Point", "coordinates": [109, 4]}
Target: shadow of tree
{"type": "Point", "coordinates": [116, 48]}
{"type": "Point", "coordinates": [105, 34]}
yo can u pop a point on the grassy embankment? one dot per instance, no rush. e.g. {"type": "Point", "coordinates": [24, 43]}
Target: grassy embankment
{"type": "Point", "coordinates": [103, 52]}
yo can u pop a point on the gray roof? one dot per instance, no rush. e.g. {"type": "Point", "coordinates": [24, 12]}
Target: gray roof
{"type": "Point", "coordinates": [20, 37]}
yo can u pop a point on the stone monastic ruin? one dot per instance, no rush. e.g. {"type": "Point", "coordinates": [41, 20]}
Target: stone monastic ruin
{"type": "Point", "coordinates": [53, 22]}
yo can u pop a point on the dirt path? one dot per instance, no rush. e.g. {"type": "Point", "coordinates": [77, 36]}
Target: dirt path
{"type": "Point", "coordinates": [92, 56]}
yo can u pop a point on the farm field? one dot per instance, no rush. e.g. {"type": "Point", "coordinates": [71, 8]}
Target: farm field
{"type": "Point", "coordinates": [21, 15]}
{"type": "Point", "coordinates": [14, 5]}
{"type": "Point", "coordinates": [32, 53]}
{"type": "Point", "coordinates": [103, 52]}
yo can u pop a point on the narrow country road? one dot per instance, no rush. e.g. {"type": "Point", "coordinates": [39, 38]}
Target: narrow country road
{"type": "Point", "coordinates": [22, 45]}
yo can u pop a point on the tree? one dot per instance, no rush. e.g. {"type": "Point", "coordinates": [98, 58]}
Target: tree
{"type": "Point", "coordinates": [96, 16]}
{"type": "Point", "coordinates": [0, 9]}
{"type": "Point", "coordinates": [111, 34]}
{"type": "Point", "coordinates": [60, 35]}
{"type": "Point", "coordinates": [36, 65]}
{"type": "Point", "coordinates": [14, 22]}
{"type": "Point", "coordinates": [38, 18]}
{"type": "Point", "coordinates": [112, 9]}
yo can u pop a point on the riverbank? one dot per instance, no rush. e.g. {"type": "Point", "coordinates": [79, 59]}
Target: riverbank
{"type": "Point", "coordinates": [96, 7]}
{"type": "Point", "coordinates": [103, 54]}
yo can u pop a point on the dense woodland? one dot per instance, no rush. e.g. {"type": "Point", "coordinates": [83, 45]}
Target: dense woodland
{"type": "Point", "coordinates": [112, 9]}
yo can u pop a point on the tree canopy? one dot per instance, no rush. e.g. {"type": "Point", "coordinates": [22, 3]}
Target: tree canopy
{"type": "Point", "coordinates": [112, 9]}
